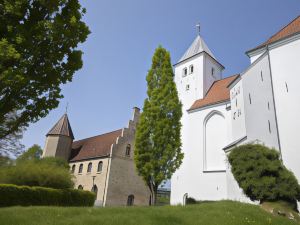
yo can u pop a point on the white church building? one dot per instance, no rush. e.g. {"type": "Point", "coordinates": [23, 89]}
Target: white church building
{"type": "Point", "coordinates": [261, 104]}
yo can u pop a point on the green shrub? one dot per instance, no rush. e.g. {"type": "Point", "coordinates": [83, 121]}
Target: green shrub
{"type": "Point", "coordinates": [11, 195]}
{"type": "Point", "coordinates": [262, 176]}
{"type": "Point", "coordinates": [190, 201]}
{"type": "Point", "coordinates": [48, 172]}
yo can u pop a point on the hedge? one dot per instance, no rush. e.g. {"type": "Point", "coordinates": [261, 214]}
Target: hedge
{"type": "Point", "coordinates": [11, 195]}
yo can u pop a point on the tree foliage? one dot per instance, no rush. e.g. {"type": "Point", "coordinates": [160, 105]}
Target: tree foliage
{"type": "Point", "coordinates": [11, 145]}
{"type": "Point", "coordinates": [38, 53]}
{"type": "Point", "coordinates": [157, 143]}
{"type": "Point", "coordinates": [33, 153]}
{"type": "Point", "coordinates": [31, 170]}
{"type": "Point", "coordinates": [262, 176]}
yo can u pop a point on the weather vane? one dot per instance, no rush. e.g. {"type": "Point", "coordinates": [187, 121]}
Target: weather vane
{"type": "Point", "coordinates": [198, 28]}
{"type": "Point", "coordinates": [67, 107]}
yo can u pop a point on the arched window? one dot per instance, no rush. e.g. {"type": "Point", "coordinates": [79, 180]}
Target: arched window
{"type": "Point", "coordinates": [89, 169]}
{"type": "Point", "coordinates": [73, 168]}
{"type": "Point", "coordinates": [80, 187]}
{"type": "Point", "coordinates": [130, 200]}
{"type": "Point", "coordinates": [128, 148]}
{"type": "Point", "coordinates": [100, 165]}
{"type": "Point", "coordinates": [95, 189]}
{"type": "Point", "coordinates": [80, 168]}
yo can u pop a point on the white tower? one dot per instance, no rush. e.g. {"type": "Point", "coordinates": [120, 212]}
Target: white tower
{"type": "Point", "coordinates": [195, 72]}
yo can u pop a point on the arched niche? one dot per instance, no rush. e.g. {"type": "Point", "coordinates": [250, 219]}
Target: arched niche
{"type": "Point", "coordinates": [215, 138]}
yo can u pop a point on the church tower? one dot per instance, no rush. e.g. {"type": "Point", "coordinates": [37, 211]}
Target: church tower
{"type": "Point", "coordinates": [195, 72]}
{"type": "Point", "coordinates": [59, 139]}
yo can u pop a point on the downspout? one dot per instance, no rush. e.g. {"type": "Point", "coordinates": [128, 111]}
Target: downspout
{"type": "Point", "coordinates": [275, 111]}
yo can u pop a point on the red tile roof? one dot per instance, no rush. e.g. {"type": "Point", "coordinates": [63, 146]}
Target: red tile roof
{"type": "Point", "coordinates": [94, 146]}
{"type": "Point", "coordinates": [287, 31]}
{"type": "Point", "coordinates": [217, 93]}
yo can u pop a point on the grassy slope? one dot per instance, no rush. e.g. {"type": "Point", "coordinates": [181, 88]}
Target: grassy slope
{"type": "Point", "coordinates": [224, 212]}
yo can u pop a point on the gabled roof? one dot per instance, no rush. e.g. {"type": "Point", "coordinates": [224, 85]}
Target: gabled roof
{"type": "Point", "coordinates": [62, 127]}
{"type": "Point", "coordinates": [287, 31]}
{"type": "Point", "coordinates": [93, 147]}
{"type": "Point", "coordinates": [217, 93]}
{"type": "Point", "coordinates": [196, 47]}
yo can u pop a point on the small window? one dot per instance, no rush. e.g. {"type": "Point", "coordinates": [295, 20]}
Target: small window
{"type": "Point", "coordinates": [187, 87]}
{"type": "Point", "coordinates": [130, 200]}
{"type": "Point", "coordinates": [80, 168]}
{"type": "Point", "coordinates": [212, 71]}
{"type": "Point", "coordinates": [89, 169]}
{"type": "Point", "coordinates": [128, 149]}
{"type": "Point", "coordinates": [191, 69]}
{"type": "Point", "coordinates": [100, 165]}
{"type": "Point", "coordinates": [269, 126]}
{"type": "Point", "coordinates": [261, 76]}
{"type": "Point", "coordinates": [73, 168]}
{"type": "Point", "coordinates": [236, 102]}
{"type": "Point", "coordinates": [80, 187]}
{"type": "Point", "coordinates": [184, 72]}
{"type": "Point", "coordinates": [287, 88]}
{"type": "Point", "coordinates": [250, 101]}
{"type": "Point", "coordinates": [268, 105]}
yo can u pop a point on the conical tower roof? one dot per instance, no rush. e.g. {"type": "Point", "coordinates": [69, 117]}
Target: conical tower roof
{"type": "Point", "coordinates": [196, 47]}
{"type": "Point", "coordinates": [62, 127]}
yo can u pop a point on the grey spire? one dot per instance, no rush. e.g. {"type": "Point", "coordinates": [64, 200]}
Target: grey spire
{"type": "Point", "coordinates": [196, 47]}
{"type": "Point", "coordinates": [62, 127]}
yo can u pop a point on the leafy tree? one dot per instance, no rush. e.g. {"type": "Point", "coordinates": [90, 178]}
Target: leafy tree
{"type": "Point", "coordinates": [157, 143]}
{"type": "Point", "coordinates": [5, 161]}
{"type": "Point", "coordinates": [38, 53]}
{"type": "Point", "coordinates": [48, 172]}
{"type": "Point", "coordinates": [11, 144]}
{"type": "Point", "coordinates": [262, 176]}
{"type": "Point", "coordinates": [33, 153]}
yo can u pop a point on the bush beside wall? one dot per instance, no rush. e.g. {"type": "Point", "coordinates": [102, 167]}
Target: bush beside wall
{"type": "Point", "coordinates": [11, 195]}
{"type": "Point", "coordinates": [262, 176]}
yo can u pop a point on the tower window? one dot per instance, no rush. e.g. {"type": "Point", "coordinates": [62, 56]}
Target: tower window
{"type": "Point", "coordinates": [212, 71]}
{"type": "Point", "coordinates": [187, 87]}
{"type": "Point", "coordinates": [100, 165]}
{"type": "Point", "coordinates": [191, 69]}
{"type": "Point", "coordinates": [128, 148]}
{"type": "Point", "coordinates": [89, 169]}
{"type": "Point", "coordinates": [269, 126]}
{"type": "Point", "coordinates": [250, 101]}
{"type": "Point", "coordinates": [287, 88]}
{"type": "Point", "coordinates": [184, 72]}
{"type": "Point", "coordinates": [80, 168]}
{"type": "Point", "coordinates": [261, 76]}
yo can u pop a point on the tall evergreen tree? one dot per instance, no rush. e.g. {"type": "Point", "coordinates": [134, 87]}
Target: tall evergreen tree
{"type": "Point", "coordinates": [157, 143]}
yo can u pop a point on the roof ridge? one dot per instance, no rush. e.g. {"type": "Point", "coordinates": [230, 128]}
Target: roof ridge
{"type": "Point", "coordinates": [284, 27]}
{"type": "Point", "coordinates": [98, 135]}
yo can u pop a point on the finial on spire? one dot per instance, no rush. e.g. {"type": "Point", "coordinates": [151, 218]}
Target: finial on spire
{"type": "Point", "coordinates": [67, 108]}
{"type": "Point", "coordinates": [198, 28]}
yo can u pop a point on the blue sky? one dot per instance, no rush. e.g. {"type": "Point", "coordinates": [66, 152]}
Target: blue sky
{"type": "Point", "coordinates": [125, 33]}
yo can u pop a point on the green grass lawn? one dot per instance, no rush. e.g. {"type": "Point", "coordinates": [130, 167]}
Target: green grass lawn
{"type": "Point", "coordinates": [217, 213]}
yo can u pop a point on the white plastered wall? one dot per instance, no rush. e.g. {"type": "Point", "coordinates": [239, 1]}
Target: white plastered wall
{"type": "Point", "coordinates": [284, 58]}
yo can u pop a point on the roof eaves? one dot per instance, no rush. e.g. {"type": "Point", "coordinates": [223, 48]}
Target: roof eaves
{"type": "Point", "coordinates": [208, 104]}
